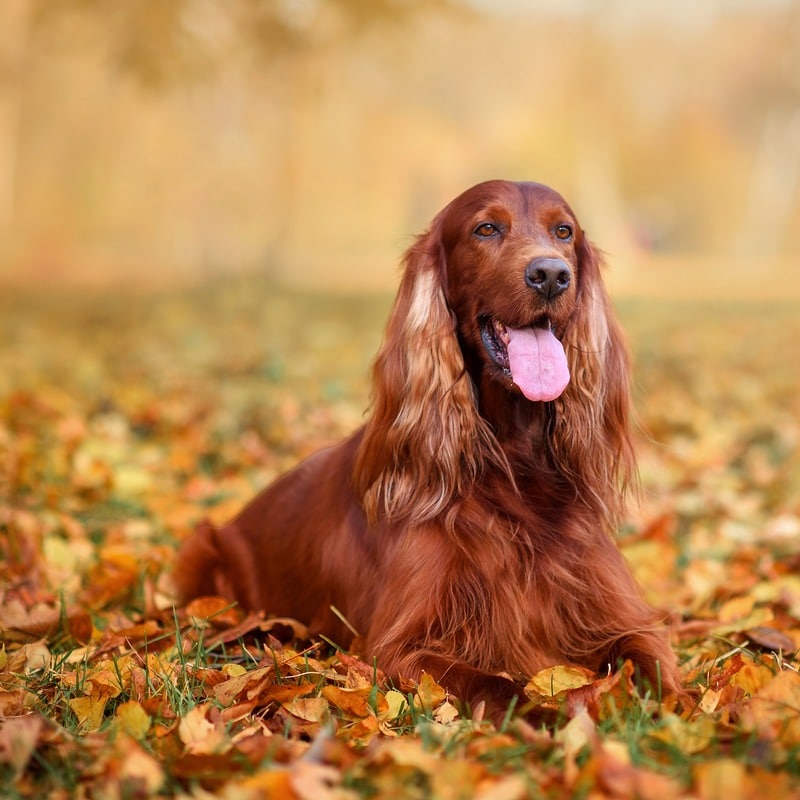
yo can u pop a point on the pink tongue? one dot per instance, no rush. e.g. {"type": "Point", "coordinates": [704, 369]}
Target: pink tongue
{"type": "Point", "coordinates": [538, 363]}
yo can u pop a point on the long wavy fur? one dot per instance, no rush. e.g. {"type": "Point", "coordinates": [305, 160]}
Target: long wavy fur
{"type": "Point", "coordinates": [425, 442]}
{"type": "Point", "coordinates": [592, 419]}
{"type": "Point", "coordinates": [465, 530]}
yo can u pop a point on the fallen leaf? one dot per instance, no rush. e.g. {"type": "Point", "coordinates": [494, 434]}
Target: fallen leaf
{"type": "Point", "coordinates": [310, 709]}
{"type": "Point", "coordinates": [686, 736]}
{"type": "Point", "coordinates": [770, 639]}
{"type": "Point", "coordinates": [429, 693]}
{"type": "Point", "coordinates": [579, 733]}
{"type": "Point", "coordinates": [131, 719]}
{"type": "Point", "coordinates": [247, 686]}
{"type": "Point", "coordinates": [774, 709]}
{"type": "Point", "coordinates": [311, 781]}
{"type": "Point", "coordinates": [139, 772]}
{"type": "Point", "coordinates": [89, 711]}
{"type": "Point", "coordinates": [445, 713]}
{"type": "Point", "coordinates": [200, 735]}
{"type": "Point", "coordinates": [555, 680]}
{"type": "Point", "coordinates": [217, 611]}
{"type": "Point", "coordinates": [352, 702]}
{"type": "Point", "coordinates": [720, 780]}
{"type": "Point", "coordinates": [18, 739]}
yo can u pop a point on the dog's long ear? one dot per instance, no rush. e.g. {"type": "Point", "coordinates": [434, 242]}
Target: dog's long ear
{"type": "Point", "coordinates": [591, 436]}
{"type": "Point", "coordinates": [425, 440]}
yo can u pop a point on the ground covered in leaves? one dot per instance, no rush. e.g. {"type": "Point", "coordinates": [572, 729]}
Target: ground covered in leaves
{"type": "Point", "coordinates": [124, 420]}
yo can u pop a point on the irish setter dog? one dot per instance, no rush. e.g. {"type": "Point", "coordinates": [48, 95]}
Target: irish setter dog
{"type": "Point", "coordinates": [466, 529]}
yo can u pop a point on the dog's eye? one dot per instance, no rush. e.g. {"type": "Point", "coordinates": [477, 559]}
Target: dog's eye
{"type": "Point", "coordinates": [564, 232]}
{"type": "Point", "coordinates": [486, 229]}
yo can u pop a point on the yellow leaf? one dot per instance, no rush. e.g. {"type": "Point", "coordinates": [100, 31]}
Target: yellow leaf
{"type": "Point", "coordinates": [132, 481]}
{"type": "Point", "coordinates": [132, 719]}
{"type": "Point", "coordinates": [66, 557]}
{"type": "Point", "coordinates": [720, 780]}
{"type": "Point", "coordinates": [689, 737]}
{"type": "Point", "coordinates": [429, 692]}
{"type": "Point", "coordinates": [89, 711]}
{"type": "Point", "coordinates": [783, 690]}
{"type": "Point", "coordinates": [396, 704]}
{"type": "Point", "coordinates": [554, 680]}
{"type": "Point", "coordinates": [751, 677]}
{"type": "Point", "coordinates": [233, 670]}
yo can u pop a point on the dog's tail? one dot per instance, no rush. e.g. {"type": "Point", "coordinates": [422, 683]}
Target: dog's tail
{"type": "Point", "coordinates": [203, 566]}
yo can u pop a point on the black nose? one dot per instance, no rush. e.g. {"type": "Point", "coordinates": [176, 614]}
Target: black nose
{"type": "Point", "coordinates": [549, 276]}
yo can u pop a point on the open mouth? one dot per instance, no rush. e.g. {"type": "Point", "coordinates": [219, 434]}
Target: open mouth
{"type": "Point", "coordinates": [496, 338]}
{"type": "Point", "coordinates": [532, 357]}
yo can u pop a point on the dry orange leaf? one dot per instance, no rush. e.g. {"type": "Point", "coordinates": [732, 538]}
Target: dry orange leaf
{"type": "Point", "coordinates": [752, 676]}
{"type": "Point", "coordinates": [202, 735]}
{"type": "Point", "coordinates": [353, 702]}
{"type": "Point", "coordinates": [309, 709]}
{"type": "Point", "coordinates": [774, 710]}
{"type": "Point", "coordinates": [244, 687]}
{"type": "Point", "coordinates": [217, 611]}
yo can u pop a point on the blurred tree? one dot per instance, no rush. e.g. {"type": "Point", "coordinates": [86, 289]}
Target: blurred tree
{"type": "Point", "coordinates": [159, 43]}
{"type": "Point", "coordinates": [13, 53]}
{"type": "Point", "coordinates": [156, 42]}
{"type": "Point", "coordinates": [774, 187]}
{"type": "Point", "coordinates": [200, 133]}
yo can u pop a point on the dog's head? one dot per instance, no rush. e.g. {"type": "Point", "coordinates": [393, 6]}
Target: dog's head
{"type": "Point", "coordinates": [503, 296]}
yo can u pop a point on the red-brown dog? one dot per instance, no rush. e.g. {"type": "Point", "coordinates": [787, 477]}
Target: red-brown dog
{"type": "Point", "coordinates": [466, 529]}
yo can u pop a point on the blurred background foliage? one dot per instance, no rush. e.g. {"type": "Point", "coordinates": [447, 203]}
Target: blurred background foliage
{"type": "Point", "coordinates": [309, 140]}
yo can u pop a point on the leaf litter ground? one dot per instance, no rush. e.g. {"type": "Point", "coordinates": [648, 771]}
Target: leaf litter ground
{"type": "Point", "coordinates": [125, 420]}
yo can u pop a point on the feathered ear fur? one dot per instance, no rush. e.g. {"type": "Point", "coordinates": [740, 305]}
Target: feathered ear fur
{"type": "Point", "coordinates": [591, 432]}
{"type": "Point", "coordinates": [425, 441]}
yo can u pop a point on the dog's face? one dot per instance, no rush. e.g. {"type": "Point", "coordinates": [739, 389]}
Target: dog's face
{"type": "Point", "coordinates": [512, 278]}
